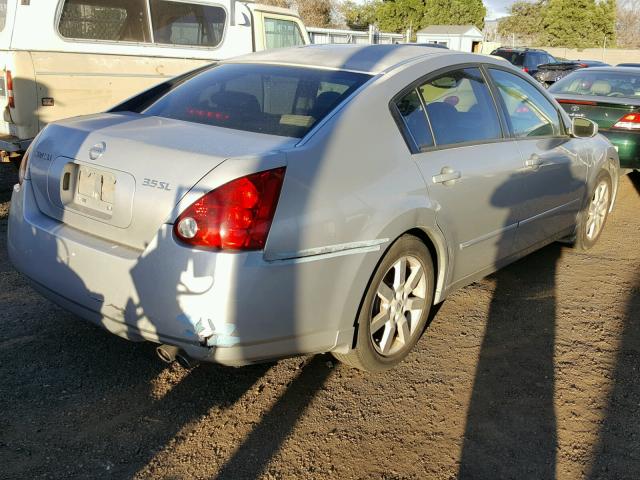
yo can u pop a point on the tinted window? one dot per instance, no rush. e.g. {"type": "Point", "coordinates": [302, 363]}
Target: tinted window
{"type": "Point", "coordinates": [281, 33]}
{"type": "Point", "coordinates": [179, 23]}
{"type": "Point", "coordinates": [275, 100]}
{"type": "Point", "coordinates": [112, 20]}
{"type": "Point", "coordinates": [415, 120]}
{"type": "Point", "coordinates": [3, 14]}
{"type": "Point", "coordinates": [529, 112]}
{"type": "Point", "coordinates": [602, 84]}
{"type": "Point", "coordinates": [516, 58]}
{"type": "Point", "coordinates": [460, 108]}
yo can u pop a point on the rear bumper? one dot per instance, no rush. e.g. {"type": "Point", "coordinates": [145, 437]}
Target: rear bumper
{"type": "Point", "coordinates": [230, 308]}
{"type": "Point", "coordinates": [9, 143]}
{"type": "Point", "coordinates": [628, 146]}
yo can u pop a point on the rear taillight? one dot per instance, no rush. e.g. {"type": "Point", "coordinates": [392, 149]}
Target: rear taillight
{"type": "Point", "coordinates": [235, 216]}
{"type": "Point", "coordinates": [525, 69]}
{"type": "Point", "coordinates": [24, 165]}
{"type": "Point", "coordinates": [630, 121]}
{"type": "Point", "coordinates": [10, 98]}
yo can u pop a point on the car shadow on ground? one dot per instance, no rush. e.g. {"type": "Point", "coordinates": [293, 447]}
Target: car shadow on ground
{"type": "Point", "coordinates": [635, 180]}
{"type": "Point", "coordinates": [511, 424]}
{"type": "Point", "coordinates": [612, 455]}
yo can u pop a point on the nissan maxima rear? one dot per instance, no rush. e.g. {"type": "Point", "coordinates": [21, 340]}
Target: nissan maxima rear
{"type": "Point", "coordinates": [318, 199]}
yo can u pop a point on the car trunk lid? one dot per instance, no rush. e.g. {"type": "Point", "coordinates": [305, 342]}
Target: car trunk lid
{"type": "Point", "coordinates": [119, 176]}
{"type": "Point", "coordinates": [604, 111]}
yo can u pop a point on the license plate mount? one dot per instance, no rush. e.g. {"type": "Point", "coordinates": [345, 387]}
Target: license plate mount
{"type": "Point", "coordinates": [95, 189]}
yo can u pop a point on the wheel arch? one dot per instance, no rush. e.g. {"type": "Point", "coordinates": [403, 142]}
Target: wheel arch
{"type": "Point", "coordinates": [434, 241]}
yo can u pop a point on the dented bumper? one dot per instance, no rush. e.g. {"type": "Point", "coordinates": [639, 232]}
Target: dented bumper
{"type": "Point", "coordinates": [231, 308]}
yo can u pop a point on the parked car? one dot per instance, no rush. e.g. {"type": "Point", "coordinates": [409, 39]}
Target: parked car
{"type": "Point", "coordinates": [628, 65]}
{"type": "Point", "coordinates": [72, 57]}
{"type": "Point", "coordinates": [316, 199]}
{"type": "Point", "coordinates": [528, 59]}
{"type": "Point", "coordinates": [611, 98]}
{"type": "Point", "coordinates": [549, 73]}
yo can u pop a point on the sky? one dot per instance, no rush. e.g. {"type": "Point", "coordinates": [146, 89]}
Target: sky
{"type": "Point", "coordinates": [495, 8]}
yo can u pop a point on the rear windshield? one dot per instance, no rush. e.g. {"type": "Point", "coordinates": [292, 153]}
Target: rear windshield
{"type": "Point", "coordinates": [516, 58]}
{"type": "Point", "coordinates": [600, 84]}
{"type": "Point", "coordinates": [275, 100]}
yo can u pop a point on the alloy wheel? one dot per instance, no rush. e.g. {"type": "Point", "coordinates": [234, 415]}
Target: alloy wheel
{"type": "Point", "coordinates": [598, 209]}
{"type": "Point", "coordinates": [398, 306]}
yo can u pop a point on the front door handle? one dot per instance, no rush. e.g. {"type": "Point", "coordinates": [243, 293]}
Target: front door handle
{"type": "Point", "coordinates": [534, 162]}
{"type": "Point", "coordinates": [448, 176]}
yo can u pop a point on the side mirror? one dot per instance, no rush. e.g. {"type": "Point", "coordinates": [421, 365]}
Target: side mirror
{"type": "Point", "coordinates": [583, 128]}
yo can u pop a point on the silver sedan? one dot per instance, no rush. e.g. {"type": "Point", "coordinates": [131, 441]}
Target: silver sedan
{"type": "Point", "coordinates": [315, 199]}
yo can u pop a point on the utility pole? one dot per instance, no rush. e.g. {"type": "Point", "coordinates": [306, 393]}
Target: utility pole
{"type": "Point", "coordinates": [604, 47]}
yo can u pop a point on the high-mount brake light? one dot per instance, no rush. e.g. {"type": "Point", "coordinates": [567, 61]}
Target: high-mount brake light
{"type": "Point", "coordinates": [234, 216]}
{"type": "Point", "coordinates": [630, 121]}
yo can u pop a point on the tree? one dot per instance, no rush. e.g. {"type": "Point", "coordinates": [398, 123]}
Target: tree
{"type": "Point", "coordinates": [400, 15]}
{"type": "Point", "coordinates": [572, 23]}
{"type": "Point", "coordinates": [628, 24]}
{"type": "Point", "coordinates": [455, 12]}
{"type": "Point", "coordinates": [359, 16]}
{"type": "Point", "coordinates": [314, 13]}
{"type": "Point", "coordinates": [524, 21]}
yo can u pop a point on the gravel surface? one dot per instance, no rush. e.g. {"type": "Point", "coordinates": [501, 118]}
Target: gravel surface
{"type": "Point", "coordinates": [531, 373]}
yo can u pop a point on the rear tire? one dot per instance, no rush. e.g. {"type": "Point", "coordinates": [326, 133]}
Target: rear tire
{"type": "Point", "coordinates": [593, 217]}
{"type": "Point", "coordinates": [395, 307]}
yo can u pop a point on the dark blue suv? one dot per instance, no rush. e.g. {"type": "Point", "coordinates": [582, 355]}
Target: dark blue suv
{"type": "Point", "coordinates": [528, 59]}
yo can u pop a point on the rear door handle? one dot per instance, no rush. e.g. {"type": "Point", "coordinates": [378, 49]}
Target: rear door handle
{"type": "Point", "coordinates": [448, 176]}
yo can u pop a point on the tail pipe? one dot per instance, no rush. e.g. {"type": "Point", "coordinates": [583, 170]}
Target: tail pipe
{"type": "Point", "coordinates": [170, 354]}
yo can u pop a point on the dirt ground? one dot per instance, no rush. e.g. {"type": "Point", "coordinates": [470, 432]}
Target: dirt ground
{"type": "Point", "coordinates": [531, 373]}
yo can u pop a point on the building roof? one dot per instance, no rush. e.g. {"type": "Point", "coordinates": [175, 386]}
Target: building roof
{"type": "Point", "coordinates": [359, 58]}
{"type": "Point", "coordinates": [450, 30]}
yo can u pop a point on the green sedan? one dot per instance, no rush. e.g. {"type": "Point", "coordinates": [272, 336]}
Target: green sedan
{"type": "Point", "coordinates": [610, 96]}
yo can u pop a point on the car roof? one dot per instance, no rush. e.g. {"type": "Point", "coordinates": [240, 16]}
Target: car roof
{"type": "Point", "coordinates": [371, 59]}
{"type": "Point", "coordinates": [615, 69]}
{"type": "Point", "coordinates": [520, 49]}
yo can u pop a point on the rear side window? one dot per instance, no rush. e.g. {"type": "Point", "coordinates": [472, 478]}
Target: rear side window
{"type": "Point", "coordinates": [460, 108]}
{"type": "Point", "coordinates": [3, 14]}
{"type": "Point", "coordinates": [516, 58]}
{"type": "Point", "coordinates": [415, 120]}
{"type": "Point", "coordinates": [529, 112]}
{"type": "Point", "coordinates": [281, 33]}
{"type": "Point", "coordinates": [180, 23]}
{"type": "Point", "coordinates": [274, 100]}
{"type": "Point", "coordinates": [112, 20]}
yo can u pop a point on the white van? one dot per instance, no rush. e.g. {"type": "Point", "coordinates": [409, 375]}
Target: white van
{"type": "Point", "coordinates": [61, 58]}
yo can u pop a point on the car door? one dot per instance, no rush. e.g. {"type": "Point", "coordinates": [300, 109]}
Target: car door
{"type": "Point", "coordinates": [554, 174]}
{"type": "Point", "coordinates": [470, 168]}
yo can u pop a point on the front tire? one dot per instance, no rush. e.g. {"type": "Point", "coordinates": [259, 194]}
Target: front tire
{"type": "Point", "coordinates": [594, 216]}
{"type": "Point", "coordinates": [395, 307]}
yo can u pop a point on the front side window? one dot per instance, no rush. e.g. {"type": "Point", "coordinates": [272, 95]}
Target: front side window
{"type": "Point", "coordinates": [281, 33]}
{"type": "Point", "coordinates": [180, 23]}
{"type": "Point", "coordinates": [111, 20]}
{"type": "Point", "coordinates": [460, 108]}
{"type": "Point", "coordinates": [274, 100]}
{"type": "Point", "coordinates": [415, 120]}
{"type": "Point", "coordinates": [529, 112]}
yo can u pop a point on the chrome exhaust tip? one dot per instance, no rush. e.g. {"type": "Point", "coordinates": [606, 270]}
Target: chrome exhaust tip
{"type": "Point", "coordinates": [185, 361]}
{"type": "Point", "coordinates": [170, 354]}
{"type": "Point", "coordinates": [167, 353]}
